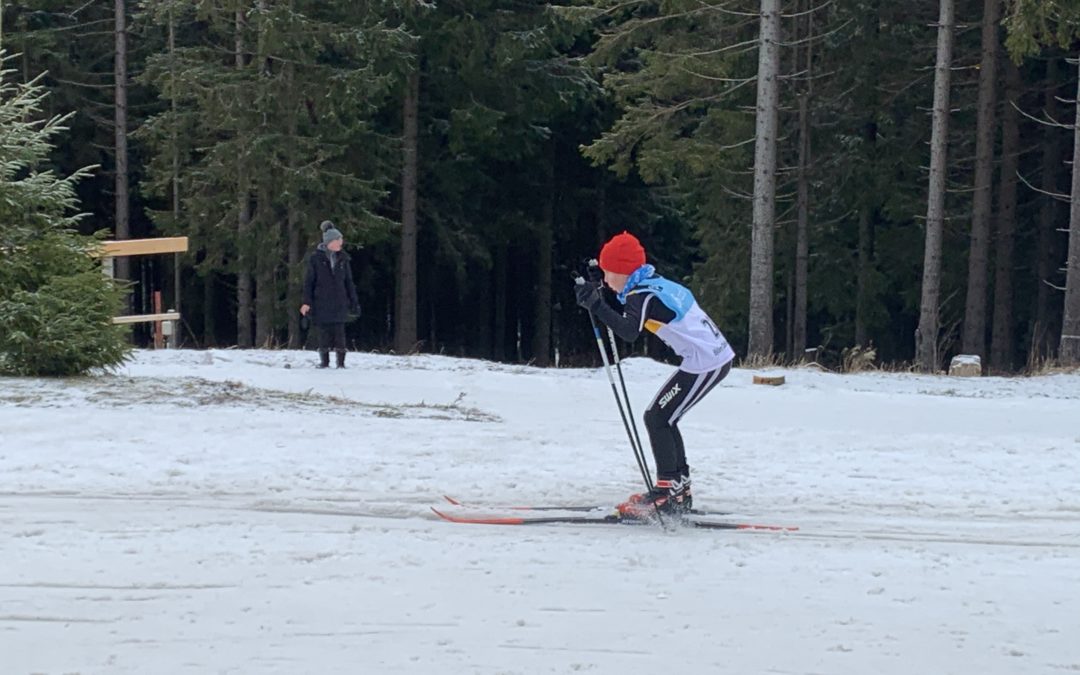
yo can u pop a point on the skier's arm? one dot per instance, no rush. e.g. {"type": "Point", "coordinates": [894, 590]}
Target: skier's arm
{"type": "Point", "coordinates": [640, 308]}
{"type": "Point", "coordinates": [627, 325]}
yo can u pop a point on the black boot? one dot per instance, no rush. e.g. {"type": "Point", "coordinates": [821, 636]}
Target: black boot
{"type": "Point", "coordinates": [671, 495]}
{"type": "Point", "coordinates": [341, 359]}
{"type": "Point", "coordinates": [324, 358]}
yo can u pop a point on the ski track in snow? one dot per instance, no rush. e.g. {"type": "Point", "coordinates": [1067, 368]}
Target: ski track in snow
{"type": "Point", "coordinates": [219, 512]}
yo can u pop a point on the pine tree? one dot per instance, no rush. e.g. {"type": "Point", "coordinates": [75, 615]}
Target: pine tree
{"type": "Point", "coordinates": [1001, 345]}
{"type": "Point", "coordinates": [761, 252]}
{"type": "Point", "coordinates": [55, 304]}
{"type": "Point", "coordinates": [927, 351]}
{"type": "Point", "coordinates": [974, 341]}
{"type": "Point", "coordinates": [1032, 23]}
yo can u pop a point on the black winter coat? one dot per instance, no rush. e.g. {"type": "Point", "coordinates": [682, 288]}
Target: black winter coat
{"type": "Point", "coordinates": [330, 290]}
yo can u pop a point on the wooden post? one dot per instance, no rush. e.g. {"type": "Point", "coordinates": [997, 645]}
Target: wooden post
{"type": "Point", "coordinates": [159, 339]}
{"type": "Point", "coordinates": [174, 339]}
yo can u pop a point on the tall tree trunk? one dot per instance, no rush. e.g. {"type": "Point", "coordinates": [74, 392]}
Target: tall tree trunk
{"type": "Point", "coordinates": [1069, 352]}
{"type": "Point", "coordinates": [802, 237]}
{"type": "Point", "coordinates": [293, 235]}
{"type": "Point", "coordinates": [1046, 312]}
{"type": "Point", "coordinates": [546, 244]}
{"type": "Point", "coordinates": [405, 330]}
{"type": "Point", "coordinates": [499, 285]}
{"type": "Point", "coordinates": [175, 131]}
{"type": "Point", "coordinates": [1001, 343]}
{"type": "Point", "coordinates": [802, 227]}
{"type": "Point", "coordinates": [789, 323]}
{"type": "Point", "coordinates": [123, 225]}
{"type": "Point", "coordinates": [485, 310]}
{"type": "Point", "coordinates": [974, 341]}
{"type": "Point", "coordinates": [761, 255]}
{"type": "Point", "coordinates": [244, 282]}
{"type": "Point", "coordinates": [926, 335]}
{"type": "Point", "coordinates": [433, 319]}
{"type": "Point", "coordinates": [862, 291]}
{"type": "Point", "coordinates": [243, 225]}
{"type": "Point", "coordinates": [869, 202]}
{"type": "Point", "coordinates": [265, 228]}
{"type": "Point", "coordinates": [296, 275]}
{"type": "Point", "coordinates": [266, 264]}
{"type": "Point", "coordinates": [178, 288]}
{"type": "Point", "coordinates": [209, 309]}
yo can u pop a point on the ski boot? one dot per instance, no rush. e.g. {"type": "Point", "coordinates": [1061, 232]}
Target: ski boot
{"type": "Point", "coordinates": [670, 496]}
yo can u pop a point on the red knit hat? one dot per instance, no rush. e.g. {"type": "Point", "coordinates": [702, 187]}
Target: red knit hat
{"type": "Point", "coordinates": [623, 254]}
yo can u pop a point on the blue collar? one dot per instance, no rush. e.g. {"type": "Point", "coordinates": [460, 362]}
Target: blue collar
{"type": "Point", "coordinates": [640, 274]}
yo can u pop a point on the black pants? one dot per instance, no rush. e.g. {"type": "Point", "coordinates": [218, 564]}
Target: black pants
{"type": "Point", "coordinates": [681, 392]}
{"type": "Point", "coordinates": [331, 336]}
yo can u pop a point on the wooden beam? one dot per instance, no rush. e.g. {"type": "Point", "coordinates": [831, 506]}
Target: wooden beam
{"type": "Point", "coordinates": [126, 247]}
{"type": "Point", "coordinates": [140, 318]}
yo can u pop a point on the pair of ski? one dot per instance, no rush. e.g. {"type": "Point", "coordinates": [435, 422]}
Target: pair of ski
{"type": "Point", "coordinates": [597, 514]}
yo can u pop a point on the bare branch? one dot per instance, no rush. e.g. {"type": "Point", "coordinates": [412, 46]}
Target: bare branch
{"type": "Point", "coordinates": [749, 44]}
{"type": "Point", "coordinates": [737, 145]}
{"type": "Point", "coordinates": [724, 10]}
{"type": "Point", "coordinates": [738, 195]}
{"type": "Point", "coordinates": [612, 10]}
{"type": "Point", "coordinates": [816, 38]}
{"type": "Point", "coordinates": [57, 29]}
{"type": "Point", "coordinates": [741, 80]}
{"type": "Point", "coordinates": [809, 11]}
{"type": "Point", "coordinates": [1051, 123]}
{"type": "Point", "coordinates": [1060, 197]}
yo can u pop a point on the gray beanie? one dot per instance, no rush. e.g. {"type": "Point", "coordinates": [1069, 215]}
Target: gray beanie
{"type": "Point", "coordinates": [330, 233]}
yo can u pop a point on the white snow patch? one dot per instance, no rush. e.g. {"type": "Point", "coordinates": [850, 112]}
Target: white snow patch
{"type": "Point", "coordinates": [243, 512]}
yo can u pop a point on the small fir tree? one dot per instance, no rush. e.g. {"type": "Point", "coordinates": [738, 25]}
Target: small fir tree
{"type": "Point", "coordinates": [55, 303]}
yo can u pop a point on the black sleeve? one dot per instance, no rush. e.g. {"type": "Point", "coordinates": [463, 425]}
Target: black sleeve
{"type": "Point", "coordinates": [639, 308]}
{"type": "Point", "coordinates": [309, 281]}
{"type": "Point", "coordinates": [353, 298]}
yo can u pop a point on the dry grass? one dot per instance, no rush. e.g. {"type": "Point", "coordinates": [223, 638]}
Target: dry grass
{"type": "Point", "coordinates": [194, 392]}
{"type": "Point", "coordinates": [864, 359]}
{"type": "Point", "coordinates": [858, 359]}
{"type": "Point", "coordinates": [1048, 366]}
{"type": "Point", "coordinates": [758, 362]}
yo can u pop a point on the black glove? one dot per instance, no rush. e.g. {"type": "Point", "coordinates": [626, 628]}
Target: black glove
{"type": "Point", "coordinates": [593, 272]}
{"type": "Point", "coordinates": [355, 310]}
{"type": "Point", "coordinates": [588, 295]}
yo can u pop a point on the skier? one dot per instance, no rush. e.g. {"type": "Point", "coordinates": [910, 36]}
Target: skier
{"type": "Point", "coordinates": [329, 293]}
{"type": "Point", "coordinates": [668, 310]}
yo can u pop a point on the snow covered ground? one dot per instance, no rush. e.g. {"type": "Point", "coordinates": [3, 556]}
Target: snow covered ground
{"type": "Point", "coordinates": [242, 512]}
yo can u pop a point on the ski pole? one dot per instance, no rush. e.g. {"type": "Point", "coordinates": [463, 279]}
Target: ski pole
{"type": "Point", "coordinates": [619, 403]}
{"type": "Point", "coordinates": [640, 449]}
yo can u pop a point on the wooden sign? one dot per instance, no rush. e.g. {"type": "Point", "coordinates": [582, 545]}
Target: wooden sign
{"type": "Point", "coordinates": [126, 247]}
